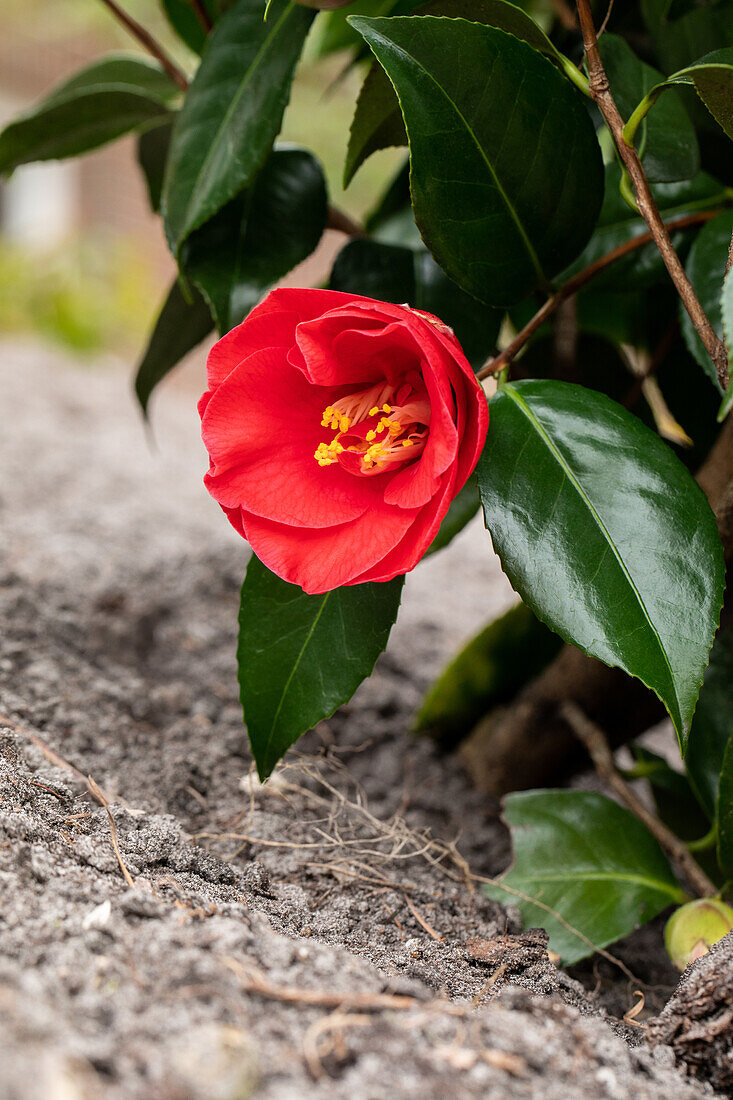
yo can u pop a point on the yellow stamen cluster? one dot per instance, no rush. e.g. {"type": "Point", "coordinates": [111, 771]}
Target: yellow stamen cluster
{"type": "Point", "coordinates": [385, 424]}
{"type": "Point", "coordinates": [326, 453]}
{"type": "Point", "coordinates": [378, 452]}
{"type": "Point", "coordinates": [334, 419]}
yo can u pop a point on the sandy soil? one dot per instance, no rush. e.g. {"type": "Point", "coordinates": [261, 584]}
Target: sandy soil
{"type": "Point", "coordinates": [312, 937]}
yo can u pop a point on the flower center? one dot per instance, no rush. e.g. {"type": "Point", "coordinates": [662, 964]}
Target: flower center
{"type": "Point", "coordinates": [377, 429]}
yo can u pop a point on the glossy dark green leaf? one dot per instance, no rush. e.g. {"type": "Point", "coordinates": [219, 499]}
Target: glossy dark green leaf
{"type": "Point", "coordinates": [588, 860]}
{"type": "Point", "coordinates": [180, 327]}
{"type": "Point", "coordinates": [666, 140]}
{"type": "Point", "coordinates": [300, 657]}
{"type": "Point", "coordinates": [500, 211]}
{"type": "Point", "coordinates": [462, 509]}
{"type": "Point", "coordinates": [604, 534]}
{"type": "Point", "coordinates": [489, 671]}
{"type": "Point", "coordinates": [377, 122]}
{"type": "Point", "coordinates": [725, 813]}
{"type": "Point", "coordinates": [712, 78]}
{"type": "Point", "coordinates": [395, 274]}
{"type": "Point", "coordinates": [260, 236]}
{"type": "Point", "coordinates": [187, 24]}
{"type": "Point", "coordinates": [726, 312]}
{"type": "Point", "coordinates": [713, 724]}
{"type": "Point", "coordinates": [232, 112]}
{"type": "Point", "coordinates": [97, 105]}
{"type": "Point", "coordinates": [706, 269]}
{"type": "Point", "coordinates": [617, 223]}
{"type": "Point", "coordinates": [152, 154]}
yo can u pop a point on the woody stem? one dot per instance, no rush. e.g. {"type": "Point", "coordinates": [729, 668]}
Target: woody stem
{"type": "Point", "coordinates": [601, 93]}
{"type": "Point", "coordinates": [573, 285]}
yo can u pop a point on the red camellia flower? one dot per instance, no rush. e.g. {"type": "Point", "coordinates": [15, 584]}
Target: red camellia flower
{"type": "Point", "coordinates": [339, 429]}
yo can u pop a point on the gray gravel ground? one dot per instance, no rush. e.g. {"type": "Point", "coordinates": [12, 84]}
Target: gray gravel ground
{"type": "Point", "coordinates": [312, 937]}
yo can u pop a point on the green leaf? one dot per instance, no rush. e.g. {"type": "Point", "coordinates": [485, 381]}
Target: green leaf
{"type": "Point", "coordinates": [300, 657]}
{"type": "Point", "coordinates": [186, 23]}
{"type": "Point", "coordinates": [617, 223]}
{"type": "Point", "coordinates": [260, 236]}
{"type": "Point", "coordinates": [489, 671]}
{"type": "Point", "coordinates": [180, 327]}
{"type": "Point", "coordinates": [500, 211]}
{"type": "Point", "coordinates": [232, 112]}
{"type": "Point", "coordinates": [712, 79]}
{"type": "Point", "coordinates": [725, 813]}
{"type": "Point", "coordinates": [590, 861]}
{"type": "Point", "coordinates": [97, 105]}
{"type": "Point", "coordinates": [713, 724]}
{"type": "Point", "coordinates": [706, 270]}
{"type": "Point", "coordinates": [667, 140]}
{"type": "Point", "coordinates": [604, 534]}
{"type": "Point", "coordinates": [152, 154]}
{"type": "Point", "coordinates": [394, 274]}
{"type": "Point", "coordinates": [460, 512]}
{"type": "Point", "coordinates": [726, 312]}
{"type": "Point", "coordinates": [377, 122]}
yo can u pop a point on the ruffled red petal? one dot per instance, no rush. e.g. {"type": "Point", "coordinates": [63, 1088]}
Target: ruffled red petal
{"type": "Point", "coordinates": [261, 428]}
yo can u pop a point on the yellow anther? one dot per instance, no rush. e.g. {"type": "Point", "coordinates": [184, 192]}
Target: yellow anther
{"type": "Point", "coordinates": [374, 411]}
{"type": "Point", "coordinates": [406, 442]}
{"type": "Point", "coordinates": [386, 408]}
{"type": "Point", "coordinates": [370, 436]}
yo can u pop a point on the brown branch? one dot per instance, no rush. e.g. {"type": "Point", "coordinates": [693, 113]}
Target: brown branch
{"type": "Point", "coordinates": [598, 749]}
{"type": "Point", "coordinates": [149, 43]}
{"type": "Point", "coordinates": [202, 15]}
{"type": "Point", "coordinates": [342, 222]}
{"type": "Point", "coordinates": [573, 285]}
{"type": "Point", "coordinates": [601, 93]}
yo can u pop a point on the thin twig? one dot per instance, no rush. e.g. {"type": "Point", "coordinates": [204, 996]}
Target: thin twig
{"type": "Point", "coordinates": [202, 15]}
{"type": "Point", "coordinates": [253, 981]}
{"type": "Point", "coordinates": [342, 222]}
{"type": "Point", "coordinates": [96, 791]}
{"type": "Point", "coordinates": [422, 922]}
{"type": "Point", "coordinates": [604, 24]}
{"type": "Point", "coordinates": [147, 41]}
{"type": "Point", "coordinates": [574, 284]}
{"type": "Point", "coordinates": [594, 740]}
{"type": "Point", "coordinates": [326, 1024]}
{"type": "Point", "coordinates": [601, 93]}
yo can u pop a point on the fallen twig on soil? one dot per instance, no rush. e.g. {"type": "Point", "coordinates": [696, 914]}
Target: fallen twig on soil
{"type": "Point", "coordinates": [253, 981]}
{"type": "Point", "coordinates": [96, 791]}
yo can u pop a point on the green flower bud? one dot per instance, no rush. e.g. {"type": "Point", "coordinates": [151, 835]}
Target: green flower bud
{"type": "Point", "coordinates": [693, 929]}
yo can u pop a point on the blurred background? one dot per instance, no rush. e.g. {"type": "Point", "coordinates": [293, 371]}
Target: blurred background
{"type": "Point", "coordinates": [83, 262]}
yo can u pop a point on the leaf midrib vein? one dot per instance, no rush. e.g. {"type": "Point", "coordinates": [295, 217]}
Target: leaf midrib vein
{"type": "Point", "coordinates": [294, 669]}
{"type": "Point", "coordinates": [512, 212]}
{"type": "Point", "coordinates": [256, 61]}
